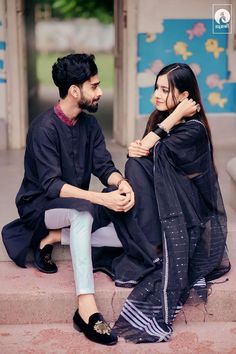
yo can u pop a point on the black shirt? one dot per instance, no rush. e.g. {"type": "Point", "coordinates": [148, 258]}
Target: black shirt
{"type": "Point", "coordinates": [57, 154]}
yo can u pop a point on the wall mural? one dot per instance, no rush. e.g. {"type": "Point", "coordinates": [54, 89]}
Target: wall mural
{"type": "Point", "coordinates": [190, 42]}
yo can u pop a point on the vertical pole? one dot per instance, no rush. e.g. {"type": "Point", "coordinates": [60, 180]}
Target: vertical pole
{"type": "Point", "coordinates": [3, 79]}
{"type": "Point", "coordinates": [125, 95]}
{"type": "Point", "coordinates": [16, 75]}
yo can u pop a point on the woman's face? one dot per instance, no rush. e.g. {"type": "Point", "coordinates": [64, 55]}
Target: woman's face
{"type": "Point", "coordinates": [163, 97]}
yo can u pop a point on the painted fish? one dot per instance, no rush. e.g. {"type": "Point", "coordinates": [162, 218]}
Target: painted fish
{"type": "Point", "coordinates": [150, 37]}
{"type": "Point", "coordinates": [214, 80]}
{"type": "Point", "coordinates": [197, 30]}
{"type": "Point", "coordinates": [214, 98]}
{"type": "Point", "coordinates": [180, 48]}
{"type": "Point", "coordinates": [196, 68]}
{"type": "Point", "coordinates": [212, 46]}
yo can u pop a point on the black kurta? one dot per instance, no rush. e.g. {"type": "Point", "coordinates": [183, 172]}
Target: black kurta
{"type": "Point", "coordinates": [55, 154]}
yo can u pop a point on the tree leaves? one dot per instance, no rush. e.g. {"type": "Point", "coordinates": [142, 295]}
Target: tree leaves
{"type": "Point", "coordinates": [102, 9]}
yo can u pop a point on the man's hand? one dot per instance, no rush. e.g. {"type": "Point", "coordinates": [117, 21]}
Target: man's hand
{"type": "Point", "coordinates": [137, 149]}
{"type": "Point", "coordinates": [118, 202]}
{"type": "Point", "coordinates": [121, 199]}
{"type": "Point", "coordinates": [125, 188]}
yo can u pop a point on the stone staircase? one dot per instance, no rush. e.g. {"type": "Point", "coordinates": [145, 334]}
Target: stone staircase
{"type": "Point", "coordinates": [36, 309]}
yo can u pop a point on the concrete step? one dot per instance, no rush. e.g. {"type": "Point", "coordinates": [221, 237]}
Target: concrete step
{"type": "Point", "coordinates": [29, 296]}
{"type": "Point", "coordinates": [62, 253]}
{"type": "Point", "coordinates": [193, 338]}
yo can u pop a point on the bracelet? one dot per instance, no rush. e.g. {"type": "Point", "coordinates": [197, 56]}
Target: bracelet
{"type": "Point", "coordinates": [121, 180]}
{"type": "Point", "coordinates": [160, 131]}
{"type": "Point", "coordinates": [163, 128]}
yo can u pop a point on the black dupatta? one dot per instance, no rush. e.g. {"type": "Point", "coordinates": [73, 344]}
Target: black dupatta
{"type": "Point", "coordinates": [178, 208]}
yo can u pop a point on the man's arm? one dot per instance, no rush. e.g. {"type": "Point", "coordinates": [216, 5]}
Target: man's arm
{"type": "Point", "coordinates": [104, 169]}
{"type": "Point", "coordinates": [102, 164]}
{"type": "Point", "coordinates": [120, 200]}
{"type": "Point", "coordinates": [115, 179]}
{"type": "Point", "coordinates": [124, 188]}
{"type": "Point", "coordinates": [112, 200]}
{"type": "Point", "coordinates": [48, 167]}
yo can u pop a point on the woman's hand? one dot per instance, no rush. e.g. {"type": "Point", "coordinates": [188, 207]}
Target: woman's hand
{"type": "Point", "coordinates": [137, 149]}
{"type": "Point", "coordinates": [186, 108]}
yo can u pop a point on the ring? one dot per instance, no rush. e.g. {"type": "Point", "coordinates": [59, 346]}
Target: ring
{"type": "Point", "coordinates": [198, 107]}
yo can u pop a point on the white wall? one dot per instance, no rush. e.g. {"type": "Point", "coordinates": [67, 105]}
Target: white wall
{"type": "Point", "coordinates": [152, 12]}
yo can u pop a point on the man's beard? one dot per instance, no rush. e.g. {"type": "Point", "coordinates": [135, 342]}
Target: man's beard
{"type": "Point", "coordinates": [90, 107]}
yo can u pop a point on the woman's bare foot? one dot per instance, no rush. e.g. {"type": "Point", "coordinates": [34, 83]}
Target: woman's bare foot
{"type": "Point", "coordinates": [86, 306]}
{"type": "Point", "coordinates": [54, 236]}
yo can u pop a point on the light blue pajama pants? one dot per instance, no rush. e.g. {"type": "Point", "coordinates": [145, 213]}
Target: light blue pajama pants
{"type": "Point", "coordinates": [76, 229]}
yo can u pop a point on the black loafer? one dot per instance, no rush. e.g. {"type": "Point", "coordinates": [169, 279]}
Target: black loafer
{"type": "Point", "coordinates": [97, 330]}
{"type": "Point", "coordinates": [43, 260]}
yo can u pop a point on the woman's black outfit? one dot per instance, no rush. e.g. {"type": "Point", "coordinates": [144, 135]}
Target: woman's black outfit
{"type": "Point", "coordinates": [179, 209]}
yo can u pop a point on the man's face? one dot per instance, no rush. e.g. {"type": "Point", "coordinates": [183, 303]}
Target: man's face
{"type": "Point", "coordinates": [90, 94]}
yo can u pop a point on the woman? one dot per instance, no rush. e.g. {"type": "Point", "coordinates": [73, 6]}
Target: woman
{"type": "Point", "coordinates": [175, 236]}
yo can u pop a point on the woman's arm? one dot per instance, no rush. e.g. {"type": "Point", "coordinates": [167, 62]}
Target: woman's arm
{"type": "Point", "coordinates": [186, 108]}
{"type": "Point", "coordinates": [151, 138]}
{"type": "Point", "coordinates": [139, 148]}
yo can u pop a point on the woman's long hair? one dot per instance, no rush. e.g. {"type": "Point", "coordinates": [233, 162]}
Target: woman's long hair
{"type": "Point", "coordinates": [181, 76]}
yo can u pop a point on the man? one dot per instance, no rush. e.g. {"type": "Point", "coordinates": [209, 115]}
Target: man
{"type": "Point", "coordinates": [64, 147]}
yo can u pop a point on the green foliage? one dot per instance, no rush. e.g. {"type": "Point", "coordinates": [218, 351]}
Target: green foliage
{"type": "Point", "coordinates": [105, 64]}
{"type": "Point", "coordinates": [100, 9]}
